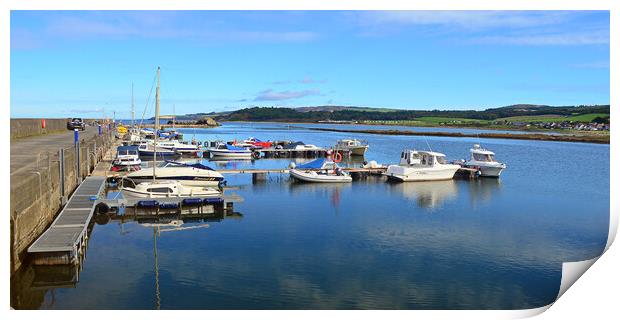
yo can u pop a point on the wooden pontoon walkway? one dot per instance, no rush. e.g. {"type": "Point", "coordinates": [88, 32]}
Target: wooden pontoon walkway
{"type": "Point", "coordinates": [62, 242]}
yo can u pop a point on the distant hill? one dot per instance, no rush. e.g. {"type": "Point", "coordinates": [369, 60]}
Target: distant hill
{"type": "Point", "coordinates": [347, 113]}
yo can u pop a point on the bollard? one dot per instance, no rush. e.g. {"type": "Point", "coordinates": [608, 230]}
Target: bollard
{"type": "Point", "coordinates": [61, 161]}
{"type": "Point", "coordinates": [76, 142]}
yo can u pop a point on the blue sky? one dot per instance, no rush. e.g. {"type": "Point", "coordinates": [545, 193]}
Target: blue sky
{"type": "Point", "coordinates": [66, 63]}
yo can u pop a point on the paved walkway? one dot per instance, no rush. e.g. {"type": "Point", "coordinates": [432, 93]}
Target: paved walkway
{"type": "Point", "coordinates": [24, 151]}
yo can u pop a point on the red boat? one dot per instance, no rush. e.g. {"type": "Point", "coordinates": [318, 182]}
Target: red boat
{"type": "Point", "coordinates": [258, 143]}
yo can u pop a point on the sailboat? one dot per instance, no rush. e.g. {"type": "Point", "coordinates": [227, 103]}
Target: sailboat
{"type": "Point", "coordinates": [166, 188]}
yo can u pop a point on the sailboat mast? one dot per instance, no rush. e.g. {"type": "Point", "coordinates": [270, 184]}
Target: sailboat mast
{"type": "Point", "coordinates": [133, 109]}
{"type": "Point", "coordinates": [174, 116]}
{"type": "Point", "coordinates": [156, 125]}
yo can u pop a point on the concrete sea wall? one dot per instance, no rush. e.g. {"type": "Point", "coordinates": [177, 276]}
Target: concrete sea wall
{"type": "Point", "coordinates": [21, 128]}
{"type": "Point", "coordinates": [36, 193]}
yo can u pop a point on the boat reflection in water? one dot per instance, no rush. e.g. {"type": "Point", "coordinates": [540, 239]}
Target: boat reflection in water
{"type": "Point", "coordinates": [482, 190]}
{"type": "Point", "coordinates": [427, 194]}
{"type": "Point", "coordinates": [332, 191]}
{"type": "Point", "coordinates": [34, 287]}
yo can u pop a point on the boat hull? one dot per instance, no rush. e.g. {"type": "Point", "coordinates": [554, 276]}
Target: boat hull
{"type": "Point", "coordinates": [186, 181]}
{"type": "Point", "coordinates": [408, 174]}
{"type": "Point", "coordinates": [228, 154]}
{"type": "Point", "coordinates": [161, 155]}
{"type": "Point", "coordinates": [493, 170]}
{"type": "Point", "coordinates": [130, 193]}
{"type": "Point", "coordinates": [310, 176]}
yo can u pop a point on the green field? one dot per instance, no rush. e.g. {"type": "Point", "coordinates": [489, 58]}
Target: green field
{"type": "Point", "coordinates": [438, 120]}
{"type": "Point", "coordinates": [556, 118]}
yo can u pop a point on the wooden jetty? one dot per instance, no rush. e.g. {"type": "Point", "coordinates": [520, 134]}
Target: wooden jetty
{"type": "Point", "coordinates": [293, 153]}
{"type": "Point", "coordinates": [65, 239]}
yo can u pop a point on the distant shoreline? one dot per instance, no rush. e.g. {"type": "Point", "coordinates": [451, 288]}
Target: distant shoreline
{"type": "Point", "coordinates": [523, 136]}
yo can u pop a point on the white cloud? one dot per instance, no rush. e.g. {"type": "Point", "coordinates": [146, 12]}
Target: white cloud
{"type": "Point", "coordinates": [561, 39]}
{"type": "Point", "coordinates": [466, 19]}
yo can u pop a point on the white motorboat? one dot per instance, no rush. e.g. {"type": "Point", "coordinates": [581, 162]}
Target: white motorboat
{"type": "Point", "coordinates": [300, 146]}
{"type": "Point", "coordinates": [176, 145]}
{"type": "Point", "coordinates": [194, 174]}
{"type": "Point", "coordinates": [320, 170]}
{"type": "Point", "coordinates": [227, 151]}
{"type": "Point", "coordinates": [127, 158]}
{"type": "Point", "coordinates": [484, 161]}
{"type": "Point", "coordinates": [421, 166]}
{"type": "Point", "coordinates": [165, 189]}
{"type": "Point", "coordinates": [353, 146]}
{"type": "Point", "coordinates": [147, 151]}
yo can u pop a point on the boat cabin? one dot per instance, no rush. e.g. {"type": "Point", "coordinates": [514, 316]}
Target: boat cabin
{"type": "Point", "coordinates": [421, 158]}
{"type": "Point", "coordinates": [349, 143]}
{"type": "Point", "coordinates": [482, 155]}
{"type": "Point", "coordinates": [127, 152]}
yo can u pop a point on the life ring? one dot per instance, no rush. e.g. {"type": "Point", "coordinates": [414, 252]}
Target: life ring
{"type": "Point", "coordinates": [337, 157]}
{"type": "Point", "coordinates": [256, 154]}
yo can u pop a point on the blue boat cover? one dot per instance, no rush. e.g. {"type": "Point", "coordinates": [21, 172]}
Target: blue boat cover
{"type": "Point", "coordinates": [293, 145]}
{"type": "Point", "coordinates": [231, 147]}
{"type": "Point", "coordinates": [127, 148]}
{"type": "Point", "coordinates": [193, 165]}
{"type": "Point", "coordinates": [314, 164]}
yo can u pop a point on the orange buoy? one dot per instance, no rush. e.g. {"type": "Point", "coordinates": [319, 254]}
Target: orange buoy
{"type": "Point", "coordinates": [337, 157]}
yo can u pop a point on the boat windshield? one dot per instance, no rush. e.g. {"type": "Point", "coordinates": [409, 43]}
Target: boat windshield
{"type": "Point", "coordinates": [483, 157]}
{"type": "Point", "coordinates": [441, 160]}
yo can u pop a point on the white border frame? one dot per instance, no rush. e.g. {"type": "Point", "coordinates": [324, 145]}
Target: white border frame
{"type": "Point", "coordinates": [597, 289]}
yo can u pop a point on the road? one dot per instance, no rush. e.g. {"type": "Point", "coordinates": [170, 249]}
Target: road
{"type": "Point", "coordinates": [25, 151]}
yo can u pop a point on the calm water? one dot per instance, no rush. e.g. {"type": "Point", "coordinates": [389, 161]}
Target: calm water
{"type": "Point", "coordinates": [484, 244]}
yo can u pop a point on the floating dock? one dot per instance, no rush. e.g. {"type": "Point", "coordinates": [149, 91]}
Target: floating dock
{"type": "Point", "coordinates": [219, 202]}
{"type": "Point", "coordinates": [66, 238]}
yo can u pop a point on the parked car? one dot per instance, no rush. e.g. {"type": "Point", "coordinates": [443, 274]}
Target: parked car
{"type": "Point", "coordinates": [76, 123]}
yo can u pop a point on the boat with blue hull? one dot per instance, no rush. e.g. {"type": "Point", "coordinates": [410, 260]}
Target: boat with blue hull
{"type": "Point", "coordinates": [147, 152]}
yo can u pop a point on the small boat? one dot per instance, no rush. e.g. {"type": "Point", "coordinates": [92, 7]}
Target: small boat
{"type": "Point", "coordinates": [258, 144]}
{"type": "Point", "coordinates": [300, 146]}
{"type": "Point", "coordinates": [352, 146]}
{"type": "Point", "coordinates": [421, 166]}
{"type": "Point", "coordinates": [165, 189]}
{"type": "Point", "coordinates": [127, 159]}
{"type": "Point", "coordinates": [194, 174]}
{"type": "Point", "coordinates": [320, 170]}
{"type": "Point", "coordinates": [147, 151]}
{"type": "Point", "coordinates": [484, 161]}
{"type": "Point", "coordinates": [176, 145]}
{"type": "Point", "coordinates": [227, 151]}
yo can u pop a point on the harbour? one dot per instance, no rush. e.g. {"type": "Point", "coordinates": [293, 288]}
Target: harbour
{"type": "Point", "coordinates": [307, 160]}
{"type": "Point", "coordinates": [262, 188]}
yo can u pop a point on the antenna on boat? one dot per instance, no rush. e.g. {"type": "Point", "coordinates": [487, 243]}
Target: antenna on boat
{"type": "Point", "coordinates": [156, 125]}
{"type": "Point", "coordinates": [427, 144]}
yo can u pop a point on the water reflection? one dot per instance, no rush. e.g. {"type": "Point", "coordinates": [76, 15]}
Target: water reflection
{"type": "Point", "coordinates": [331, 191]}
{"type": "Point", "coordinates": [483, 190]}
{"type": "Point", "coordinates": [428, 194]}
{"type": "Point", "coordinates": [34, 287]}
